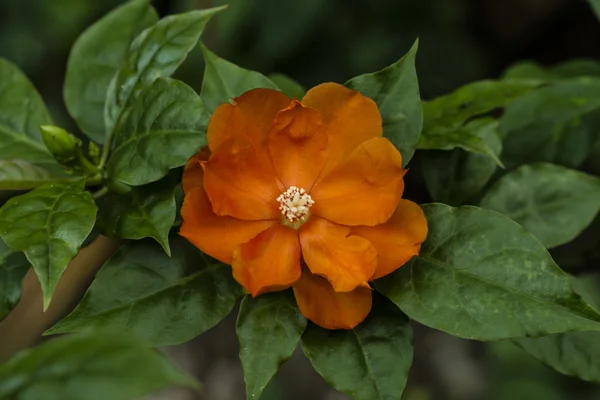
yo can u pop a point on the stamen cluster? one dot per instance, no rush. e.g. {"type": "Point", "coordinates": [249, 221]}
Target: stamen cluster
{"type": "Point", "coordinates": [294, 204]}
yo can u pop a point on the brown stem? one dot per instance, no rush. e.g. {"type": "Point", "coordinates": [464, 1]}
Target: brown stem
{"type": "Point", "coordinates": [24, 326]}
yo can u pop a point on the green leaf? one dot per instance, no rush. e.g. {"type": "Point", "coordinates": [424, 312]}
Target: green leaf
{"type": "Point", "coordinates": [224, 80]}
{"type": "Point", "coordinates": [552, 202]}
{"type": "Point", "coordinates": [575, 354]}
{"type": "Point", "coordinates": [164, 300]}
{"type": "Point", "coordinates": [448, 120]}
{"type": "Point", "coordinates": [469, 137]}
{"type": "Point", "coordinates": [568, 69]}
{"type": "Point", "coordinates": [13, 267]}
{"type": "Point", "coordinates": [577, 67]}
{"type": "Point", "coordinates": [557, 123]}
{"type": "Point", "coordinates": [395, 89]}
{"type": "Point", "coordinates": [155, 53]}
{"type": "Point", "coordinates": [472, 100]}
{"type": "Point", "coordinates": [370, 361]}
{"type": "Point", "coordinates": [22, 111]}
{"type": "Point", "coordinates": [163, 128]}
{"type": "Point", "coordinates": [288, 86]}
{"type": "Point", "coordinates": [456, 176]}
{"type": "Point", "coordinates": [596, 7]}
{"type": "Point", "coordinates": [146, 211]}
{"type": "Point", "coordinates": [529, 70]}
{"type": "Point", "coordinates": [49, 224]}
{"type": "Point", "coordinates": [96, 57]}
{"type": "Point", "coordinates": [91, 366]}
{"type": "Point", "coordinates": [21, 175]}
{"type": "Point", "coordinates": [480, 275]}
{"type": "Point", "coordinates": [268, 329]}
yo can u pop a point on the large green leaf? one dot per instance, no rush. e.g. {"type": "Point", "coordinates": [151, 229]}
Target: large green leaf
{"type": "Point", "coordinates": [448, 120]}
{"type": "Point", "coordinates": [163, 128]}
{"type": "Point", "coordinates": [22, 111]}
{"type": "Point", "coordinates": [146, 211]}
{"type": "Point", "coordinates": [21, 175]}
{"type": "Point", "coordinates": [91, 366]}
{"type": "Point", "coordinates": [577, 67]}
{"type": "Point", "coordinates": [155, 53]}
{"type": "Point", "coordinates": [163, 300]}
{"type": "Point", "coordinates": [479, 275]}
{"type": "Point", "coordinates": [456, 176]}
{"type": "Point", "coordinates": [395, 89]}
{"type": "Point", "coordinates": [469, 137]}
{"type": "Point", "coordinates": [575, 353]}
{"type": "Point", "coordinates": [224, 80]}
{"type": "Point", "coordinates": [268, 329]}
{"type": "Point", "coordinates": [557, 123]}
{"type": "Point", "coordinates": [472, 100]}
{"type": "Point", "coordinates": [370, 361]}
{"type": "Point", "coordinates": [49, 224]}
{"type": "Point", "coordinates": [95, 58]}
{"type": "Point", "coordinates": [552, 202]}
{"type": "Point", "coordinates": [13, 267]}
{"type": "Point", "coordinates": [569, 69]}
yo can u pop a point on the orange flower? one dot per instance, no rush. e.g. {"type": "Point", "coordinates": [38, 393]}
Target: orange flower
{"type": "Point", "coordinates": [303, 194]}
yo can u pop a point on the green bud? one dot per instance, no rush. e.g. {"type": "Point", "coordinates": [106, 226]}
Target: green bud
{"type": "Point", "coordinates": [94, 151]}
{"type": "Point", "coordinates": [63, 146]}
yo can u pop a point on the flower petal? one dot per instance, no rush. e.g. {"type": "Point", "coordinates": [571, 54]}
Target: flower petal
{"type": "Point", "coordinates": [250, 116]}
{"type": "Point", "coordinates": [329, 250]}
{"type": "Point", "coordinates": [350, 118]}
{"type": "Point", "coordinates": [193, 174]}
{"type": "Point", "coordinates": [269, 262]}
{"type": "Point", "coordinates": [214, 235]}
{"type": "Point", "coordinates": [364, 189]}
{"type": "Point", "coordinates": [398, 239]}
{"type": "Point", "coordinates": [298, 145]}
{"type": "Point", "coordinates": [241, 184]}
{"type": "Point", "coordinates": [330, 309]}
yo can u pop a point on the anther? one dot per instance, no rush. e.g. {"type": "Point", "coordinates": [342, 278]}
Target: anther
{"type": "Point", "coordinates": [294, 204]}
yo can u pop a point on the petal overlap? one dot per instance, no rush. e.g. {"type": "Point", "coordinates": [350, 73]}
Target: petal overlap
{"type": "Point", "coordinates": [330, 309]}
{"type": "Point", "coordinates": [364, 189]}
{"type": "Point", "coordinates": [329, 250]}
{"type": "Point", "coordinates": [298, 145]}
{"type": "Point", "coordinates": [268, 262]}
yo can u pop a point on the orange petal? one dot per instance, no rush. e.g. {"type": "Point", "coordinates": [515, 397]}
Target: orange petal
{"type": "Point", "coordinates": [364, 189]}
{"type": "Point", "coordinates": [214, 235]}
{"type": "Point", "coordinates": [350, 118]}
{"type": "Point", "coordinates": [241, 184]}
{"type": "Point", "coordinates": [193, 174]}
{"type": "Point", "coordinates": [330, 309]}
{"type": "Point", "coordinates": [250, 116]}
{"type": "Point", "coordinates": [329, 250]}
{"type": "Point", "coordinates": [269, 262]}
{"type": "Point", "coordinates": [398, 239]}
{"type": "Point", "coordinates": [298, 145]}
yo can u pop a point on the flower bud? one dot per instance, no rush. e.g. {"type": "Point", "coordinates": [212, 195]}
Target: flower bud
{"type": "Point", "coordinates": [63, 145]}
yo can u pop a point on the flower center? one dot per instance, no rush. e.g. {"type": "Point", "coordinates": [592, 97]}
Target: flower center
{"type": "Point", "coordinates": [294, 204]}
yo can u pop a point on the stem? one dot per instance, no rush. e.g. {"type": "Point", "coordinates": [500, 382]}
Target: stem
{"type": "Point", "coordinates": [95, 180]}
{"type": "Point", "coordinates": [106, 150]}
{"type": "Point", "coordinates": [24, 326]}
{"type": "Point", "coordinates": [87, 165]}
{"type": "Point", "coordinates": [103, 191]}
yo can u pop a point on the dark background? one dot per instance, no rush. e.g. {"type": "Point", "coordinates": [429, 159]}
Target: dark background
{"type": "Point", "coordinates": [333, 40]}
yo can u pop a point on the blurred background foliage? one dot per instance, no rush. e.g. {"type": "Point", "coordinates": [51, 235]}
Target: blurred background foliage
{"type": "Point", "coordinates": [333, 40]}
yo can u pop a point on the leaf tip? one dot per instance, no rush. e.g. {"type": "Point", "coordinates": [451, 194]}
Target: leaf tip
{"type": "Point", "coordinates": [47, 299]}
